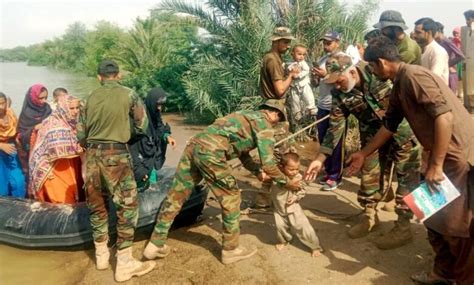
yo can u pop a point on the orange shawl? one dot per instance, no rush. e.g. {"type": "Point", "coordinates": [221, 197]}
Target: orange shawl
{"type": "Point", "coordinates": [8, 129]}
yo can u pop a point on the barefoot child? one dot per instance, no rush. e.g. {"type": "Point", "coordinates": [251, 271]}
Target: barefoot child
{"type": "Point", "coordinates": [289, 216]}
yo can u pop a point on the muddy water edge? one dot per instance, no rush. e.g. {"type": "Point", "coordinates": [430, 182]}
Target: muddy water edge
{"type": "Point", "coordinates": [66, 265]}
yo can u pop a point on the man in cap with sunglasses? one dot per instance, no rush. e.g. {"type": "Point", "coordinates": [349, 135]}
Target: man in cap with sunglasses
{"type": "Point", "coordinates": [205, 158]}
{"type": "Point", "coordinates": [358, 92]}
{"type": "Point", "coordinates": [333, 165]}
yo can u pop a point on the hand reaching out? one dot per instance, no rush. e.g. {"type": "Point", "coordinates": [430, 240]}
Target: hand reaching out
{"type": "Point", "coordinates": [171, 142]}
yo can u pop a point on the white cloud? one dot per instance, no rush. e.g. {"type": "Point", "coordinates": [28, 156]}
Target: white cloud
{"type": "Point", "coordinates": [33, 21]}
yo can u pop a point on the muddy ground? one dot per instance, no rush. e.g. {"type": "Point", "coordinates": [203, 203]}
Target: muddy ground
{"type": "Point", "coordinates": [196, 249]}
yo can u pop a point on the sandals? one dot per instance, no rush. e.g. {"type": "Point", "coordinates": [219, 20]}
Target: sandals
{"type": "Point", "coordinates": [425, 278]}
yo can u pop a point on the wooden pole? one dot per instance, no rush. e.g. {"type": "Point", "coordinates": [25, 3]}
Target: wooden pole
{"type": "Point", "coordinates": [467, 39]}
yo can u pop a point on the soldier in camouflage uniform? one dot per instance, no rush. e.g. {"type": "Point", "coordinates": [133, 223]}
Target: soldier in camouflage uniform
{"type": "Point", "coordinates": [358, 92]}
{"type": "Point", "coordinates": [108, 117]}
{"type": "Point", "coordinates": [205, 157]}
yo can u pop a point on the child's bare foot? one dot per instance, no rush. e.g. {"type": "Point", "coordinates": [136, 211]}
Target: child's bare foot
{"type": "Point", "coordinates": [280, 246]}
{"type": "Point", "coordinates": [316, 253]}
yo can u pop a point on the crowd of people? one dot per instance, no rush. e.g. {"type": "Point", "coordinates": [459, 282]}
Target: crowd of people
{"type": "Point", "coordinates": [401, 88]}
{"type": "Point", "coordinates": [408, 116]}
{"type": "Point", "coordinates": [42, 159]}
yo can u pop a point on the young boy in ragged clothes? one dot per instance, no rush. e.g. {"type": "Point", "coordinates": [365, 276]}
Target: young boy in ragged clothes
{"type": "Point", "coordinates": [289, 216]}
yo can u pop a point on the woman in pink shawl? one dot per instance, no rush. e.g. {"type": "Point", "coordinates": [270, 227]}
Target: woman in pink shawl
{"type": "Point", "coordinates": [55, 165]}
{"type": "Point", "coordinates": [35, 109]}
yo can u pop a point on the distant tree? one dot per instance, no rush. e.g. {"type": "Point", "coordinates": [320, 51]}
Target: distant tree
{"type": "Point", "coordinates": [102, 42]}
{"type": "Point", "coordinates": [74, 45]}
{"type": "Point", "coordinates": [15, 54]}
{"type": "Point", "coordinates": [156, 52]}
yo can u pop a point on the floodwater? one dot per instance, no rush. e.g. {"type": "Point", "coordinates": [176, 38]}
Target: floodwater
{"type": "Point", "coordinates": [64, 266]}
{"type": "Point", "coordinates": [17, 77]}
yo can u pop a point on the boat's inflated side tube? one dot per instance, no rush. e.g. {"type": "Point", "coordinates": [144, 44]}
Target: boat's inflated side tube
{"type": "Point", "coordinates": [29, 223]}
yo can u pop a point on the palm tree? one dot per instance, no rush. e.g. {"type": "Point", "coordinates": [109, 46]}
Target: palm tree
{"type": "Point", "coordinates": [236, 35]}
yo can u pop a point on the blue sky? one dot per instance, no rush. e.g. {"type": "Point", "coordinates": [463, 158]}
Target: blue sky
{"type": "Point", "coordinates": [25, 22]}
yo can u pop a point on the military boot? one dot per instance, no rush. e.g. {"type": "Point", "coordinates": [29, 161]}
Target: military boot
{"type": "Point", "coordinates": [102, 255]}
{"type": "Point", "coordinates": [366, 225]}
{"type": "Point", "coordinates": [152, 251]}
{"type": "Point", "coordinates": [398, 236]}
{"type": "Point", "coordinates": [128, 266]}
{"type": "Point", "coordinates": [234, 255]}
{"type": "Point", "coordinates": [389, 206]}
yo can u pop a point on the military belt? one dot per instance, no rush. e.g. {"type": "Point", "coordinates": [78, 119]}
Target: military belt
{"type": "Point", "coordinates": [107, 146]}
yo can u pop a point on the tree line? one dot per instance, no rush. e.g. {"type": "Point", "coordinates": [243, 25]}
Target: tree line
{"type": "Point", "coordinates": [206, 56]}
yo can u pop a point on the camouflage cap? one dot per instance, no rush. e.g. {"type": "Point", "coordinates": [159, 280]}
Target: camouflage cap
{"type": "Point", "coordinates": [282, 33]}
{"type": "Point", "coordinates": [108, 66]}
{"type": "Point", "coordinates": [390, 18]}
{"type": "Point", "coordinates": [336, 65]}
{"type": "Point", "coordinates": [276, 104]}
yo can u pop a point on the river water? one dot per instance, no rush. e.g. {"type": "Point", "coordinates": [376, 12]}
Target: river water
{"type": "Point", "coordinates": [65, 266]}
{"type": "Point", "coordinates": [17, 77]}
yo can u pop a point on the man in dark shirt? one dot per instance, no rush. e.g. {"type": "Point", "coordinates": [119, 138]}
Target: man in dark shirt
{"type": "Point", "coordinates": [446, 131]}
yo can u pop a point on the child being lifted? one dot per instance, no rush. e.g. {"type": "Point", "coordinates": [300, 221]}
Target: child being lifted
{"type": "Point", "coordinates": [301, 97]}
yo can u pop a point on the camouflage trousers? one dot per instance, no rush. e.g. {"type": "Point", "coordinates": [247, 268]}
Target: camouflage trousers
{"type": "Point", "coordinates": [109, 175]}
{"type": "Point", "coordinates": [263, 198]}
{"type": "Point", "coordinates": [376, 169]}
{"type": "Point", "coordinates": [197, 163]}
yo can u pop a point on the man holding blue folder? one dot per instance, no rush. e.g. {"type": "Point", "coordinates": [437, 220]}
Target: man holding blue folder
{"type": "Point", "coordinates": [446, 130]}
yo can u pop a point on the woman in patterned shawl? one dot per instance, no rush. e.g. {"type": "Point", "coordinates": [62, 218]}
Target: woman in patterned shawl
{"type": "Point", "coordinates": [55, 165]}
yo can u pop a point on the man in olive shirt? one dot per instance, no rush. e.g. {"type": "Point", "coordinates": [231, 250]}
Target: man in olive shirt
{"type": "Point", "coordinates": [104, 129]}
{"type": "Point", "coordinates": [392, 26]}
{"type": "Point", "coordinates": [273, 85]}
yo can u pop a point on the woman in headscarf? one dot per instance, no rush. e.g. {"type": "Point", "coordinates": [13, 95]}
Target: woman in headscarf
{"type": "Point", "coordinates": [149, 151]}
{"type": "Point", "coordinates": [12, 180]}
{"type": "Point", "coordinates": [35, 109]}
{"type": "Point", "coordinates": [55, 165]}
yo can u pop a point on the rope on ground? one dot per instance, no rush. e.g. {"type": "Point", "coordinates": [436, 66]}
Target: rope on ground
{"type": "Point", "coordinates": [335, 216]}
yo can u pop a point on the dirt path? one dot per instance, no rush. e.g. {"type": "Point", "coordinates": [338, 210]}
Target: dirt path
{"type": "Point", "coordinates": [196, 249]}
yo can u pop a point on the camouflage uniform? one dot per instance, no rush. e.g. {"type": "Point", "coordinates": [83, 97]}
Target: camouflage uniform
{"type": "Point", "coordinates": [369, 107]}
{"type": "Point", "coordinates": [205, 157]}
{"type": "Point", "coordinates": [109, 116]}
{"type": "Point", "coordinates": [281, 131]}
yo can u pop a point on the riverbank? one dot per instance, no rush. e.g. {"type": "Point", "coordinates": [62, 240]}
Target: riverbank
{"type": "Point", "coordinates": [196, 249]}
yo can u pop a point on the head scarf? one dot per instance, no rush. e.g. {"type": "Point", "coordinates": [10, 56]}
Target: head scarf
{"type": "Point", "coordinates": [155, 96]}
{"type": "Point", "coordinates": [56, 140]}
{"type": "Point", "coordinates": [157, 128]}
{"type": "Point", "coordinates": [32, 113]}
{"type": "Point", "coordinates": [8, 128]}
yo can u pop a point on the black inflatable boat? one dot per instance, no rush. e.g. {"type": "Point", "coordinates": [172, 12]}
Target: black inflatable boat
{"type": "Point", "coordinates": [29, 223]}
